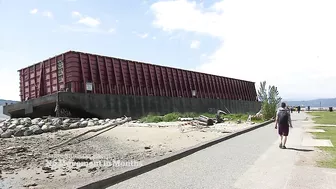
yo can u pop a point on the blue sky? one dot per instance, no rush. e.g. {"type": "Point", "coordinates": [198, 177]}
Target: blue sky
{"type": "Point", "coordinates": [231, 38]}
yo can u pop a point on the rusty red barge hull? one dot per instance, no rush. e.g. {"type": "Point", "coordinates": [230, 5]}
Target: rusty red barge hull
{"type": "Point", "coordinates": [92, 77]}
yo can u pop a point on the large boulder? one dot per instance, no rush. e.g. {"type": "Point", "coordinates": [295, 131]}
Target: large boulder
{"type": "Point", "coordinates": [28, 132]}
{"type": "Point", "coordinates": [19, 127]}
{"type": "Point", "coordinates": [66, 121]}
{"type": "Point", "coordinates": [35, 121]}
{"type": "Point", "coordinates": [12, 126]}
{"type": "Point", "coordinates": [101, 122]}
{"type": "Point", "coordinates": [19, 132]}
{"type": "Point", "coordinates": [91, 123]}
{"type": "Point", "coordinates": [74, 125]}
{"type": "Point", "coordinates": [7, 134]}
{"type": "Point", "coordinates": [57, 122]}
{"type": "Point", "coordinates": [45, 128]}
{"type": "Point", "coordinates": [36, 129]}
{"type": "Point", "coordinates": [41, 123]}
{"type": "Point", "coordinates": [15, 122]}
{"type": "Point", "coordinates": [83, 124]}
{"type": "Point", "coordinates": [25, 121]}
{"type": "Point", "coordinates": [65, 126]}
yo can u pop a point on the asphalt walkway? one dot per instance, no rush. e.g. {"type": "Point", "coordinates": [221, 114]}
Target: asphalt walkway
{"type": "Point", "coordinates": [251, 160]}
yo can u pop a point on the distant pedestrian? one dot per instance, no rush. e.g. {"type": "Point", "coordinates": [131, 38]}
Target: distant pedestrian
{"type": "Point", "coordinates": [282, 123]}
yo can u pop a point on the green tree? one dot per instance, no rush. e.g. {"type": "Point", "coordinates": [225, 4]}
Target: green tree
{"type": "Point", "coordinates": [270, 100]}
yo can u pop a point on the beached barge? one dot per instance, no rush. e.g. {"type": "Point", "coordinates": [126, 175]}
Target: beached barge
{"type": "Point", "coordinates": [88, 85]}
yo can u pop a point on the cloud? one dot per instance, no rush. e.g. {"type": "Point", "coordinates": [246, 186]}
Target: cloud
{"type": "Point", "coordinates": [89, 21]}
{"type": "Point", "coordinates": [86, 20]}
{"type": "Point", "coordinates": [33, 11]}
{"type": "Point", "coordinates": [145, 35]}
{"type": "Point", "coordinates": [86, 24]}
{"type": "Point", "coordinates": [141, 35]}
{"type": "Point", "coordinates": [111, 30]}
{"type": "Point", "coordinates": [154, 38]}
{"type": "Point", "coordinates": [81, 29]}
{"type": "Point", "coordinates": [263, 40]}
{"type": "Point", "coordinates": [75, 14]}
{"type": "Point", "coordinates": [47, 14]}
{"type": "Point", "coordinates": [195, 44]}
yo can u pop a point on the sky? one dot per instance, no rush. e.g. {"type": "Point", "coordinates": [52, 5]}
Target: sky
{"type": "Point", "coordinates": [290, 43]}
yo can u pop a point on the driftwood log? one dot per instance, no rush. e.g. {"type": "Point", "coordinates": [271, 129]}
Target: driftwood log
{"type": "Point", "coordinates": [206, 120]}
{"type": "Point", "coordinates": [107, 126]}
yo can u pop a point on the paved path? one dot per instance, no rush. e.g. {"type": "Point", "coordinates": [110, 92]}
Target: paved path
{"type": "Point", "coordinates": [251, 160]}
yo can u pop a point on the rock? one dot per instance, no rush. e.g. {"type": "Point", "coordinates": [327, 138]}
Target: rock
{"type": "Point", "coordinates": [238, 121]}
{"type": "Point", "coordinates": [107, 120]}
{"type": "Point", "coordinates": [83, 124]}
{"type": "Point", "coordinates": [92, 170]}
{"type": "Point", "coordinates": [65, 126]}
{"type": "Point", "coordinates": [19, 127]}
{"type": "Point", "coordinates": [82, 167]}
{"type": "Point", "coordinates": [95, 119]}
{"type": "Point", "coordinates": [66, 121]}
{"type": "Point", "coordinates": [91, 123]}
{"type": "Point", "coordinates": [29, 185]}
{"type": "Point", "coordinates": [65, 150]}
{"type": "Point", "coordinates": [15, 122]}
{"type": "Point", "coordinates": [49, 171]}
{"type": "Point", "coordinates": [46, 168]}
{"type": "Point", "coordinates": [57, 122]}
{"type": "Point", "coordinates": [7, 134]}
{"type": "Point", "coordinates": [35, 121]}
{"type": "Point", "coordinates": [147, 147]}
{"type": "Point", "coordinates": [41, 123]}
{"type": "Point", "coordinates": [50, 176]}
{"type": "Point", "coordinates": [101, 122]}
{"type": "Point", "coordinates": [81, 120]}
{"type": "Point", "coordinates": [28, 132]}
{"type": "Point", "coordinates": [12, 126]}
{"type": "Point", "coordinates": [74, 125]}
{"type": "Point", "coordinates": [19, 133]}
{"type": "Point", "coordinates": [63, 174]}
{"type": "Point", "coordinates": [52, 128]}
{"type": "Point", "coordinates": [1, 131]}
{"type": "Point", "coordinates": [26, 121]}
{"type": "Point", "coordinates": [45, 128]}
{"type": "Point", "coordinates": [3, 128]}
{"type": "Point", "coordinates": [36, 129]}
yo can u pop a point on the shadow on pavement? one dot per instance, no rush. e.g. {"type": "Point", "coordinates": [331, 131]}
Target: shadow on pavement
{"type": "Point", "coordinates": [301, 150]}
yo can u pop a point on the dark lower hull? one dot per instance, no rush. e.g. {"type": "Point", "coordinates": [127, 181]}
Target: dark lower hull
{"type": "Point", "coordinates": [112, 106]}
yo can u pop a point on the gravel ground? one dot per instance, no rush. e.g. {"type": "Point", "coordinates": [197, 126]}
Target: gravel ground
{"type": "Point", "coordinates": [27, 161]}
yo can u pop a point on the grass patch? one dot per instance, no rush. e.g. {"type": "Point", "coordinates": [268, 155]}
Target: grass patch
{"type": "Point", "coordinates": [324, 117]}
{"type": "Point", "coordinates": [152, 118]}
{"type": "Point", "coordinates": [330, 133]}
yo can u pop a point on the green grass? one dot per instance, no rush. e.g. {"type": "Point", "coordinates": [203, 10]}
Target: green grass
{"type": "Point", "coordinates": [152, 118]}
{"type": "Point", "coordinates": [330, 133]}
{"type": "Point", "coordinates": [324, 117]}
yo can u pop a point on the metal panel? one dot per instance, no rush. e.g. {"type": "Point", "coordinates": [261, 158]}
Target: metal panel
{"type": "Point", "coordinates": [72, 70]}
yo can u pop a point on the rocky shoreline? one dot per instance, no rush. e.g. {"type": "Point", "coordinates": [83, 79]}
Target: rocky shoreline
{"type": "Point", "coordinates": [26, 127]}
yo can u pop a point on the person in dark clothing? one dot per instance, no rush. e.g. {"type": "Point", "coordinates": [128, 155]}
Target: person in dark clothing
{"type": "Point", "coordinates": [299, 109]}
{"type": "Point", "coordinates": [282, 123]}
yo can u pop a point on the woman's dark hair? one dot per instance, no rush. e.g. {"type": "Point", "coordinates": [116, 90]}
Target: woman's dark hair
{"type": "Point", "coordinates": [283, 105]}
